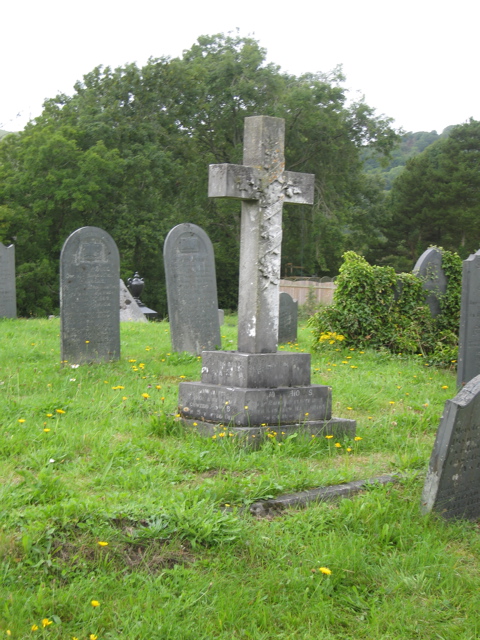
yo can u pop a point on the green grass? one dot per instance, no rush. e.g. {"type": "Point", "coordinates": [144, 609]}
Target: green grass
{"type": "Point", "coordinates": [110, 465]}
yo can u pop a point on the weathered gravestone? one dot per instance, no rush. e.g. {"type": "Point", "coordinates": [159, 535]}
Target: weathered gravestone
{"type": "Point", "coordinates": [191, 289]}
{"type": "Point", "coordinates": [469, 337]}
{"type": "Point", "coordinates": [452, 485]}
{"type": "Point", "coordinates": [287, 319]}
{"type": "Point", "coordinates": [129, 309]}
{"type": "Point", "coordinates": [8, 300]}
{"type": "Point", "coordinates": [256, 387]}
{"type": "Point", "coordinates": [89, 297]}
{"type": "Point", "coordinates": [429, 268]}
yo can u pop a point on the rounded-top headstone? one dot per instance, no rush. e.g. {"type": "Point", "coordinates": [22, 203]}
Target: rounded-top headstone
{"type": "Point", "coordinates": [89, 297]}
{"type": "Point", "coordinates": [429, 268]}
{"type": "Point", "coordinates": [191, 289]}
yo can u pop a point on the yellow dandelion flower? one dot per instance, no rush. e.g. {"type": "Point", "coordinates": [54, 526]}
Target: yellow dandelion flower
{"type": "Point", "coordinates": [145, 395]}
{"type": "Point", "coordinates": [195, 424]}
{"type": "Point", "coordinates": [357, 438]}
{"type": "Point", "coordinates": [391, 402]}
{"type": "Point", "coordinates": [158, 387]}
{"type": "Point", "coordinates": [307, 413]}
{"type": "Point", "coordinates": [95, 603]}
{"type": "Point", "coordinates": [21, 420]}
{"type": "Point", "coordinates": [124, 397]}
{"type": "Point", "coordinates": [325, 570]}
{"type": "Point", "coordinates": [102, 543]}
{"type": "Point", "coordinates": [350, 408]}
{"type": "Point", "coordinates": [87, 341]}
{"type": "Point", "coordinates": [46, 622]}
{"type": "Point", "coordinates": [349, 449]}
{"type": "Point", "coordinates": [328, 437]}
{"type": "Point", "coordinates": [246, 406]}
{"type": "Point", "coordinates": [34, 627]}
{"type": "Point", "coordinates": [49, 415]}
{"type": "Point", "coordinates": [60, 411]}
{"type": "Point", "coordinates": [445, 386]}
{"type": "Point", "coordinates": [338, 445]}
{"type": "Point", "coordinates": [46, 430]}
{"type": "Point", "coordinates": [92, 636]}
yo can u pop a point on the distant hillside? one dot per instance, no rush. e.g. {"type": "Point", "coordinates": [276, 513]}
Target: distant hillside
{"type": "Point", "coordinates": [411, 145]}
{"type": "Point", "coordinates": [3, 133]}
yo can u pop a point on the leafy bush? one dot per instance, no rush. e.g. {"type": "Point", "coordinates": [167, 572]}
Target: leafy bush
{"type": "Point", "coordinates": [373, 306]}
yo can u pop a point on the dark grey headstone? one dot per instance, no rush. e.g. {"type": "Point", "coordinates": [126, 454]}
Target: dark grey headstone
{"type": "Point", "coordinates": [452, 485]}
{"type": "Point", "coordinates": [8, 299]}
{"type": "Point", "coordinates": [469, 338]}
{"type": "Point", "coordinates": [287, 319]}
{"type": "Point", "coordinates": [191, 289]}
{"type": "Point", "coordinates": [429, 268]}
{"type": "Point", "coordinates": [89, 297]}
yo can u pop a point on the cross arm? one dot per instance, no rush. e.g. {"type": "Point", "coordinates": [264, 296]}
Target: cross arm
{"type": "Point", "coordinates": [233, 181]}
{"type": "Point", "coordinates": [298, 187]}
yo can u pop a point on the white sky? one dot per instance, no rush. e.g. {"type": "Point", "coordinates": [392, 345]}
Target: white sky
{"type": "Point", "coordinates": [416, 61]}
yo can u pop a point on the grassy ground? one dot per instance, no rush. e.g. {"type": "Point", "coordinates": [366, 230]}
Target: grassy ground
{"type": "Point", "coordinates": [113, 521]}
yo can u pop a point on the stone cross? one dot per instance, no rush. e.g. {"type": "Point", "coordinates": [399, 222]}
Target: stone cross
{"type": "Point", "coordinates": [263, 185]}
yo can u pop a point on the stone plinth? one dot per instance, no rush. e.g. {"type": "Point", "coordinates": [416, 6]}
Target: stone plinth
{"type": "Point", "coordinates": [251, 393]}
{"type": "Point", "coordinates": [256, 370]}
{"type": "Point", "coordinates": [244, 407]}
{"type": "Point", "coordinates": [337, 427]}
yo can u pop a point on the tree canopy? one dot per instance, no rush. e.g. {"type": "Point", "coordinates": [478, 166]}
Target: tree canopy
{"type": "Point", "coordinates": [435, 200]}
{"type": "Point", "coordinates": [129, 152]}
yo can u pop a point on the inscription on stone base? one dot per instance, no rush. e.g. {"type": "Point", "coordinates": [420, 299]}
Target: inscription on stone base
{"type": "Point", "coordinates": [247, 407]}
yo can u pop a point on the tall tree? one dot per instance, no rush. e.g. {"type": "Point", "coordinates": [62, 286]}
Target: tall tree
{"type": "Point", "coordinates": [129, 152]}
{"type": "Point", "coordinates": [435, 200]}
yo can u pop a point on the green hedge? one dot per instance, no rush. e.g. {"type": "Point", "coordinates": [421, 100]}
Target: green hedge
{"type": "Point", "coordinates": [375, 307]}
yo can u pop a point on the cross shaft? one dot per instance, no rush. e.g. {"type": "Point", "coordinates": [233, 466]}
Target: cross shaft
{"type": "Point", "coordinates": [264, 186]}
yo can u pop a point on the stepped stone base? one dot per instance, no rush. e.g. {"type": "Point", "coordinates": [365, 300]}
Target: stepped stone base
{"type": "Point", "coordinates": [254, 395]}
{"type": "Point", "coordinates": [254, 436]}
{"type": "Point", "coordinates": [256, 370]}
{"type": "Point", "coordinates": [246, 407]}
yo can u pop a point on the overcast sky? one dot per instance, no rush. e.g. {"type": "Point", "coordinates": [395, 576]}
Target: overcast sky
{"type": "Point", "coordinates": [415, 61]}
